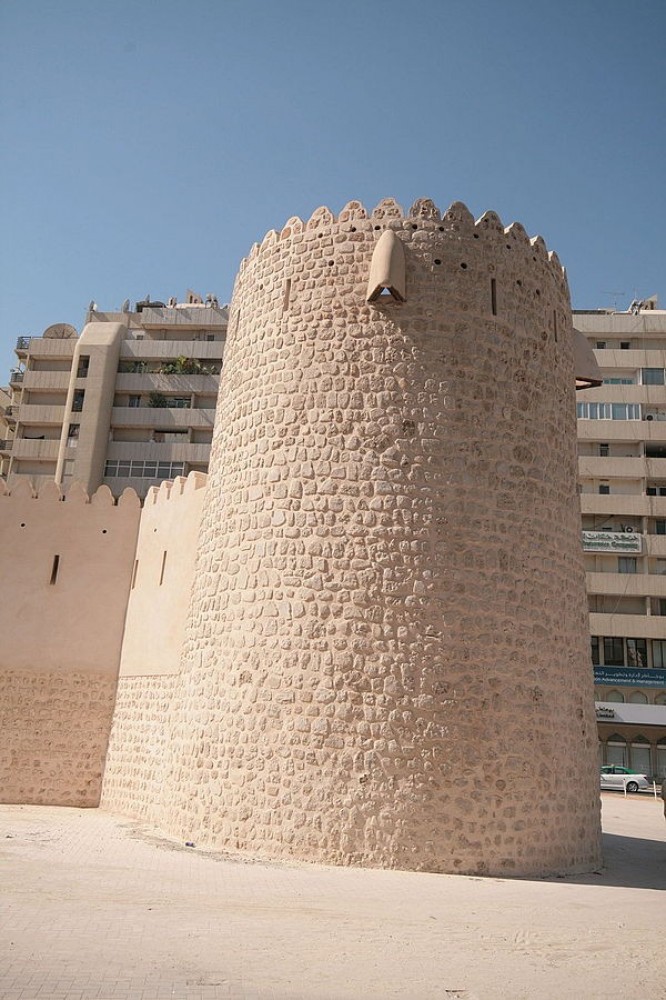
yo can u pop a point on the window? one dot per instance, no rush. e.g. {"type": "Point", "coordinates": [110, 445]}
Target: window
{"type": "Point", "coordinates": [135, 401]}
{"type": "Point", "coordinates": [637, 652]}
{"type": "Point", "coordinates": [660, 527]}
{"type": "Point", "coordinates": [84, 366]}
{"type": "Point", "coordinates": [594, 642]}
{"type": "Point", "coordinates": [613, 651]}
{"type": "Point", "coordinates": [618, 381]}
{"type": "Point", "coordinates": [625, 345]}
{"type": "Point", "coordinates": [626, 564]}
{"type": "Point", "coordinates": [659, 653]}
{"type": "Point", "coordinates": [652, 376]}
{"type": "Point", "coordinates": [601, 345]}
{"type": "Point", "coordinates": [604, 488]}
{"type": "Point", "coordinates": [656, 491]}
{"type": "Point", "coordinates": [608, 411]}
{"type": "Point", "coordinates": [77, 402]}
{"type": "Point", "coordinates": [637, 698]}
{"type": "Point", "coordinates": [73, 435]}
{"type": "Point", "coordinates": [603, 450]}
{"type": "Point", "coordinates": [126, 469]}
{"type": "Point", "coordinates": [179, 402]}
{"type": "Point", "coordinates": [616, 747]}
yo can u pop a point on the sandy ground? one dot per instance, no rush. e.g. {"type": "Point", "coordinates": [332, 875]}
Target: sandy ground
{"type": "Point", "coordinates": [95, 908]}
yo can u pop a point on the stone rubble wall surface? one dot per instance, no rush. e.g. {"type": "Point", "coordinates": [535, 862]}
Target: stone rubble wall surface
{"type": "Point", "coordinates": [54, 730]}
{"type": "Point", "coordinates": [386, 657]}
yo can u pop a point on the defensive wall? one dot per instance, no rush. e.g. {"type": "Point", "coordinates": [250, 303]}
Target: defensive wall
{"type": "Point", "coordinates": [386, 654]}
{"type": "Point", "coordinates": [67, 566]}
{"type": "Point", "coordinates": [157, 613]}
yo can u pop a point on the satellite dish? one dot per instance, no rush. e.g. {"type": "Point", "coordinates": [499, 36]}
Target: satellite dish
{"type": "Point", "coordinates": [60, 331]}
{"type": "Point", "coordinates": [92, 306]}
{"type": "Point", "coordinates": [125, 306]}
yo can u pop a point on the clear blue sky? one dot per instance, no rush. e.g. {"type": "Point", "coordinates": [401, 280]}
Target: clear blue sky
{"type": "Point", "coordinates": [147, 145]}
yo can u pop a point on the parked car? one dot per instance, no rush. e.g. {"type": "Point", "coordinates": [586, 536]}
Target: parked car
{"type": "Point", "coordinates": [615, 776]}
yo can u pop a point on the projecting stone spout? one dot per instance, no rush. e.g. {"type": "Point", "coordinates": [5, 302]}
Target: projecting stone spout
{"type": "Point", "coordinates": [387, 270]}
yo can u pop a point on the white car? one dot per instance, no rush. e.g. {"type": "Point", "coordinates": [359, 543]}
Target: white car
{"type": "Point", "coordinates": [614, 776]}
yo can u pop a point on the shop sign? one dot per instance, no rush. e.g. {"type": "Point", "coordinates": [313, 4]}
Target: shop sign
{"type": "Point", "coordinates": [630, 677]}
{"type": "Point", "coordinates": [605, 713]}
{"type": "Point", "coordinates": [612, 541]}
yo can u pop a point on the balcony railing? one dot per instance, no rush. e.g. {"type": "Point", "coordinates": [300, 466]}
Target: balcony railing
{"type": "Point", "coordinates": [23, 343]}
{"type": "Point", "coordinates": [15, 376]}
{"type": "Point", "coordinates": [6, 445]}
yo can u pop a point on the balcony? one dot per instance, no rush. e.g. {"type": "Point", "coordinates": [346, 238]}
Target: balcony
{"type": "Point", "coordinates": [6, 445]}
{"type": "Point", "coordinates": [32, 413]}
{"type": "Point", "coordinates": [197, 318]}
{"type": "Point", "coordinates": [22, 345]}
{"type": "Point", "coordinates": [205, 385]}
{"type": "Point", "coordinates": [626, 584]}
{"type": "Point", "coordinates": [10, 414]}
{"type": "Point", "coordinates": [16, 376]}
{"type": "Point", "coordinates": [164, 417]}
{"type": "Point", "coordinates": [159, 451]}
{"type": "Point", "coordinates": [637, 626]}
{"type": "Point", "coordinates": [623, 504]}
{"type": "Point", "coordinates": [35, 448]}
{"type": "Point", "coordinates": [45, 347]}
{"type": "Point", "coordinates": [595, 467]}
{"type": "Point", "coordinates": [46, 380]}
{"type": "Point", "coordinates": [166, 350]}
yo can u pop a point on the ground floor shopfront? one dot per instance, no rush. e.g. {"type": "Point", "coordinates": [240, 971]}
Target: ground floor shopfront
{"type": "Point", "coordinates": [633, 736]}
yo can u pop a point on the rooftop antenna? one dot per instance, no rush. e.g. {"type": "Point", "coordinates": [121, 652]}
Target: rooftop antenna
{"type": "Point", "coordinates": [615, 296]}
{"type": "Point", "coordinates": [125, 306]}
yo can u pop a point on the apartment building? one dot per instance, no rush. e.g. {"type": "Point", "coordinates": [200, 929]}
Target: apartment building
{"type": "Point", "coordinates": [130, 402]}
{"type": "Point", "coordinates": [622, 467]}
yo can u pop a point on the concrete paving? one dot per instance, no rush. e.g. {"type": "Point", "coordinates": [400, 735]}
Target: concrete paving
{"type": "Point", "coordinates": [94, 907]}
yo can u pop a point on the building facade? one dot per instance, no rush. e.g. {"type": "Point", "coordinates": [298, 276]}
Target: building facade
{"type": "Point", "coordinates": [131, 402]}
{"type": "Point", "coordinates": [622, 473]}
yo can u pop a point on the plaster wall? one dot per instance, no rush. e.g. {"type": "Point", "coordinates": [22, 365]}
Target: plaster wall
{"type": "Point", "coordinates": [388, 641]}
{"type": "Point", "coordinates": [67, 575]}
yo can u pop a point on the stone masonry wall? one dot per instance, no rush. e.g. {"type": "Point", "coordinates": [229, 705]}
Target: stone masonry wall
{"type": "Point", "coordinates": [386, 655]}
{"type": "Point", "coordinates": [55, 729]}
{"type": "Point", "coordinates": [68, 565]}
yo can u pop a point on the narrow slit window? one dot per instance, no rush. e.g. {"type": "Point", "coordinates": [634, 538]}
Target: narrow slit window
{"type": "Point", "coordinates": [493, 295]}
{"type": "Point", "coordinates": [54, 570]}
{"type": "Point", "coordinates": [164, 555]}
{"type": "Point", "coordinates": [134, 572]}
{"type": "Point", "coordinates": [287, 295]}
{"type": "Point", "coordinates": [555, 323]}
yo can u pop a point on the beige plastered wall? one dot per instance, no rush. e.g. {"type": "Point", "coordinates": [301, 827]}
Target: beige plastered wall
{"type": "Point", "coordinates": [154, 632]}
{"type": "Point", "coordinates": [61, 621]}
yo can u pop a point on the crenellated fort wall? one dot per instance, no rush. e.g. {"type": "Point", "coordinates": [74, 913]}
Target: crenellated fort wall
{"type": "Point", "coordinates": [385, 660]}
{"type": "Point", "coordinates": [66, 575]}
{"type": "Point", "coordinates": [157, 615]}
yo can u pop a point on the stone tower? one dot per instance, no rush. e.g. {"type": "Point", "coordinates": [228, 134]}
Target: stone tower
{"type": "Point", "coordinates": [387, 659]}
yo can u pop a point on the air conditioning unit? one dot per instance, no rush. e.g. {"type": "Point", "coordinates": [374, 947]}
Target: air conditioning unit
{"type": "Point", "coordinates": [628, 529]}
{"type": "Point", "coordinates": [649, 417]}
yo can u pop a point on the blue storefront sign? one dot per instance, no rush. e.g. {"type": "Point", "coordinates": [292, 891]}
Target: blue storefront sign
{"type": "Point", "coordinates": [630, 677]}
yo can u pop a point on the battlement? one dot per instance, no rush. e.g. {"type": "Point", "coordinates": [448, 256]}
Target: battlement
{"type": "Point", "coordinates": [423, 221]}
{"type": "Point", "coordinates": [171, 489]}
{"type": "Point", "coordinates": [23, 490]}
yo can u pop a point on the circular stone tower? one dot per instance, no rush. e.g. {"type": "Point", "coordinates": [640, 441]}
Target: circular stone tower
{"type": "Point", "coordinates": [387, 661]}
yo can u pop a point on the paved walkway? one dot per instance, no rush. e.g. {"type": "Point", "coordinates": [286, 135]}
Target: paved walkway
{"type": "Point", "coordinates": [93, 908]}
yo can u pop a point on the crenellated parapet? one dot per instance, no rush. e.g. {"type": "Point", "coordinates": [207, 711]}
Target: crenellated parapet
{"type": "Point", "coordinates": [22, 489]}
{"type": "Point", "coordinates": [455, 239]}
